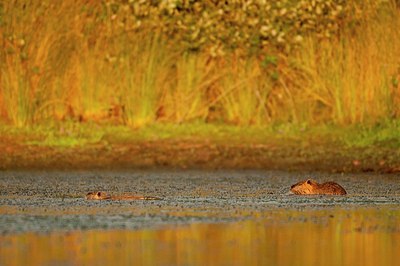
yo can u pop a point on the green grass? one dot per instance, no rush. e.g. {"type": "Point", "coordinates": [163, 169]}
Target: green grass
{"type": "Point", "coordinates": [69, 135]}
{"type": "Point", "coordinates": [383, 135]}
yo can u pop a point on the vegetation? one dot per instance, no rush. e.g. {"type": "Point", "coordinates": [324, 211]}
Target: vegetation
{"type": "Point", "coordinates": [71, 134]}
{"type": "Point", "coordinates": [239, 62]}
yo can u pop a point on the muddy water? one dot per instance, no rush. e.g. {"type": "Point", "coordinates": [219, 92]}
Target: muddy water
{"type": "Point", "coordinates": [204, 218]}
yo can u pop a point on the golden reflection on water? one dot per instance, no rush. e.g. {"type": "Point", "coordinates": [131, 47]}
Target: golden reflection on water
{"type": "Point", "coordinates": [328, 237]}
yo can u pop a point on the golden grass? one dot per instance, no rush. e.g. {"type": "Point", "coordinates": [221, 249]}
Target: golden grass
{"type": "Point", "coordinates": [355, 78]}
{"type": "Point", "coordinates": [69, 61]}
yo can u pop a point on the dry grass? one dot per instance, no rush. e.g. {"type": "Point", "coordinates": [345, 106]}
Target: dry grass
{"type": "Point", "coordinates": [63, 61]}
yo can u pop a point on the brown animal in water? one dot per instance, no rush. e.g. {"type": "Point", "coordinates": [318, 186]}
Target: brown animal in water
{"type": "Point", "coordinates": [311, 187]}
{"type": "Point", "coordinates": [104, 196]}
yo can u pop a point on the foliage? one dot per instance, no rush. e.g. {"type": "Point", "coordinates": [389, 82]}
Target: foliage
{"type": "Point", "coordinates": [241, 62]}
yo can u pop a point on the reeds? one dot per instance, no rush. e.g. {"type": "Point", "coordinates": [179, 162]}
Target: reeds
{"type": "Point", "coordinates": [112, 63]}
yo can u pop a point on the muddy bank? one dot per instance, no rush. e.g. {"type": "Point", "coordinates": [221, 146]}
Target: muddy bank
{"type": "Point", "coordinates": [195, 154]}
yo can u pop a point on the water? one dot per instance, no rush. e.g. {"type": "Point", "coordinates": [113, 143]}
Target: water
{"type": "Point", "coordinates": [205, 218]}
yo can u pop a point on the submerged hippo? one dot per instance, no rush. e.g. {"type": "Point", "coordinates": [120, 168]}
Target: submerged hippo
{"type": "Point", "coordinates": [99, 195]}
{"type": "Point", "coordinates": [311, 187]}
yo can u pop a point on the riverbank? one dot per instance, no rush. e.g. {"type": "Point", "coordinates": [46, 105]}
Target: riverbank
{"type": "Point", "coordinates": [199, 146]}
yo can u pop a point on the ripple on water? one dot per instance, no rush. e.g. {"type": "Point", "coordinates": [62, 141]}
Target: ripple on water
{"type": "Point", "coordinates": [40, 201]}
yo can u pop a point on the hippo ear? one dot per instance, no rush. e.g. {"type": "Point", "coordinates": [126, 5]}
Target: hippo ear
{"type": "Point", "coordinates": [99, 193]}
{"type": "Point", "coordinates": [309, 181]}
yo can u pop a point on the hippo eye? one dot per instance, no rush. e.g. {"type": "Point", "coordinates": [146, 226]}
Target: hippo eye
{"type": "Point", "coordinates": [99, 193]}
{"type": "Point", "coordinates": [309, 181]}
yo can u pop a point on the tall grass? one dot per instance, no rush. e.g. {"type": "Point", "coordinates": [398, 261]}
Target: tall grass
{"type": "Point", "coordinates": [36, 53]}
{"type": "Point", "coordinates": [245, 95]}
{"type": "Point", "coordinates": [355, 77]}
{"type": "Point", "coordinates": [78, 61]}
{"type": "Point", "coordinates": [143, 77]}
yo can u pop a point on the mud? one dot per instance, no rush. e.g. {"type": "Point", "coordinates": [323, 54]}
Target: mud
{"type": "Point", "coordinates": [43, 201]}
{"type": "Point", "coordinates": [274, 154]}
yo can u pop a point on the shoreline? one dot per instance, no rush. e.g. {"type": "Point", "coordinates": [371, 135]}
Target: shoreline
{"type": "Point", "coordinates": [200, 154]}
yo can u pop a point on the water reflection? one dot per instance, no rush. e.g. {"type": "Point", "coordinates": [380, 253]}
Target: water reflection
{"type": "Point", "coordinates": [324, 237]}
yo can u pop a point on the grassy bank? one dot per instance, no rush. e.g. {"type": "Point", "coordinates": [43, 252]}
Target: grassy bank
{"type": "Point", "coordinates": [72, 135]}
{"type": "Point", "coordinates": [69, 146]}
{"type": "Point", "coordinates": [148, 64]}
